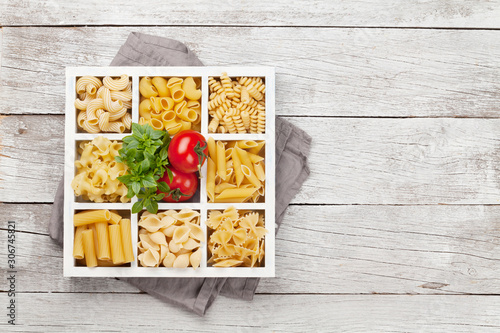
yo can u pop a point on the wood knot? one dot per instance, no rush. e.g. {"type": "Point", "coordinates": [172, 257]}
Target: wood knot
{"type": "Point", "coordinates": [22, 128]}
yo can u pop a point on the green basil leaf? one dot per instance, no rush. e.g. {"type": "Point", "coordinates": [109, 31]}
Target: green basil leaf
{"type": "Point", "coordinates": [156, 134]}
{"type": "Point", "coordinates": [137, 207]}
{"type": "Point", "coordinates": [136, 128]}
{"type": "Point", "coordinates": [160, 196]}
{"type": "Point", "coordinates": [133, 145]}
{"type": "Point", "coordinates": [136, 187]}
{"type": "Point", "coordinates": [170, 175]}
{"type": "Point", "coordinates": [163, 186]}
{"type": "Point", "coordinates": [118, 159]}
{"type": "Point", "coordinates": [152, 207]}
{"type": "Point", "coordinates": [149, 181]}
{"type": "Point", "coordinates": [130, 193]}
{"type": "Point", "coordinates": [164, 153]}
{"type": "Point", "coordinates": [128, 139]}
{"type": "Point", "coordinates": [145, 165]}
{"type": "Point", "coordinates": [125, 178]}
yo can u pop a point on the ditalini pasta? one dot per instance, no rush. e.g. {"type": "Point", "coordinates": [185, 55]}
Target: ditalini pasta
{"type": "Point", "coordinates": [97, 172]}
{"type": "Point", "coordinates": [172, 104]}
{"type": "Point", "coordinates": [237, 106]}
{"type": "Point", "coordinates": [236, 238]}
{"type": "Point", "coordinates": [104, 105]}
{"type": "Point", "coordinates": [170, 239]}
{"type": "Point", "coordinates": [100, 240]}
{"type": "Point", "coordinates": [235, 171]}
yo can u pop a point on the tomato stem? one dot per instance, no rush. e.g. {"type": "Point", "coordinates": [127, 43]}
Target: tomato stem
{"type": "Point", "coordinates": [199, 150]}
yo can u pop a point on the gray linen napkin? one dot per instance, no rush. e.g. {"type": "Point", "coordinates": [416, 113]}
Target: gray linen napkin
{"type": "Point", "coordinates": [292, 149]}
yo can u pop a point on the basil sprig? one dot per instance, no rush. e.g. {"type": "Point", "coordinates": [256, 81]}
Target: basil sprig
{"type": "Point", "coordinates": [145, 153]}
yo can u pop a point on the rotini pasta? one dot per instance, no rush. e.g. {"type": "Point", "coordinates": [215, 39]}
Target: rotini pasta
{"type": "Point", "coordinates": [236, 106]}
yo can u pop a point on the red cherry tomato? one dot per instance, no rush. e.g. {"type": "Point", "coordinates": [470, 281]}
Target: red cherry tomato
{"type": "Point", "coordinates": [182, 187]}
{"type": "Point", "coordinates": [188, 151]}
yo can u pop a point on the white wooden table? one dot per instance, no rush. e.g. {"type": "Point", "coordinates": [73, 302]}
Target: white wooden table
{"type": "Point", "coordinates": [398, 226]}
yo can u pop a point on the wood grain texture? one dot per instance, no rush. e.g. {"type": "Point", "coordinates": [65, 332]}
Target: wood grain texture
{"type": "Point", "coordinates": [394, 13]}
{"type": "Point", "coordinates": [321, 249]}
{"type": "Point", "coordinates": [266, 313]}
{"type": "Point", "coordinates": [352, 161]}
{"type": "Point", "coordinates": [320, 72]}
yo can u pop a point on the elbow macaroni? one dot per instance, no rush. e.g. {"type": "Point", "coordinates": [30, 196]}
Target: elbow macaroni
{"type": "Point", "coordinates": [172, 105]}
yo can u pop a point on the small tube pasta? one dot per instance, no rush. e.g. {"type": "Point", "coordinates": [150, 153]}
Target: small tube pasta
{"type": "Point", "coordinates": [161, 86]}
{"type": "Point", "coordinates": [91, 216]}
{"type": "Point", "coordinates": [89, 248]}
{"type": "Point", "coordinates": [146, 88]}
{"type": "Point", "coordinates": [145, 109]}
{"type": "Point", "coordinates": [189, 87]}
{"type": "Point", "coordinates": [78, 252]}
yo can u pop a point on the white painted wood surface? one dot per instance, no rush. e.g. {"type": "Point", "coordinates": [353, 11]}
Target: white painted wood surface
{"type": "Point", "coordinates": [266, 313]}
{"type": "Point", "coordinates": [395, 230]}
{"type": "Point", "coordinates": [391, 13]}
{"type": "Point", "coordinates": [320, 72]}
{"type": "Point", "coordinates": [352, 160]}
{"type": "Point", "coordinates": [355, 249]}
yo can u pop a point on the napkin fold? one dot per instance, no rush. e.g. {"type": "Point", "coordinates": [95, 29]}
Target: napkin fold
{"type": "Point", "coordinates": [292, 150]}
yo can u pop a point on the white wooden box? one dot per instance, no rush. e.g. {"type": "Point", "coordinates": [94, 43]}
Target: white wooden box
{"type": "Point", "coordinates": [72, 204]}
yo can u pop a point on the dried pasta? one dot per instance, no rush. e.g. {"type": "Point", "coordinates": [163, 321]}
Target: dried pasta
{"type": "Point", "coordinates": [236, 238]}
{"type": "Point", "coordinates": [170, 239]}
{"type": "Point", "coordinates": [104, 105]}
{"type": "Point", "coordinates": [97, 172]}
{"type": "Point", "coordinates": [235, 171]}
{"type": "Point", "coordinates": [172, 104]}
{"type": "Point", "coordinates": [100, 240]}
{"type": "Point", "coordinates": [236, 106]}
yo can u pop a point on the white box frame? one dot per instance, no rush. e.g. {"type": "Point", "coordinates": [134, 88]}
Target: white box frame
{"type": "Point", "coordinates": [70, 203]}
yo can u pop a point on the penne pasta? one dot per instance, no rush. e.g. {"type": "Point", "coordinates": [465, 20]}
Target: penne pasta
{"type": "Point", "coordinates": [221, 160]}
{"type": "Point", "coordinates": [115, 218]}
{"type": "Point", "coordinates": [211, 179]}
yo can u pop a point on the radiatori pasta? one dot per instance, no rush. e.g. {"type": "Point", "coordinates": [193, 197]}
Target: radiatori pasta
{"type": "Point", "coordinates": [236, 238]}
{"type": "Point", "coordinates": [171, 104]}
{"type": "Point", "coordinates": [102, 238]}
{"type": "Point", "coordinates": [97, 172]}
{"type": "Point", "coordinates": [104, 105]}
{"type": "Point", "coordinates": [235, 171]}
{"type": "Point", "coordinates": [170, 239]}
{"type": "Point", "coordinates": [237, 106]}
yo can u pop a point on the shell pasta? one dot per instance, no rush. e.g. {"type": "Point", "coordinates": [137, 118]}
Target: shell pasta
{"type": "Point", "coordinates": [103, 105]}
{"type": "Point", "coordinates": [235, 171]}
{"type": "Point", "coordinates": [170, 239]}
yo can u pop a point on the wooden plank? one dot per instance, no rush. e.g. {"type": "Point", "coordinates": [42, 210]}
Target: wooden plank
{"type": "Point", "coordinates": [321, 249]}
{"type": "Point", "coordinates": [395, 13]}
{"type": "Point", "coordinates": [320, 72]}
{"type": "Point", "coordinates": [352, 161]}
{"type": "Point", "coordinates": [266, 313]}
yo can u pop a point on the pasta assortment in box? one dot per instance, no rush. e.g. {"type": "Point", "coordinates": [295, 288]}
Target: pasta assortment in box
{"type": "Point", "coordinates": [131, 211]}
